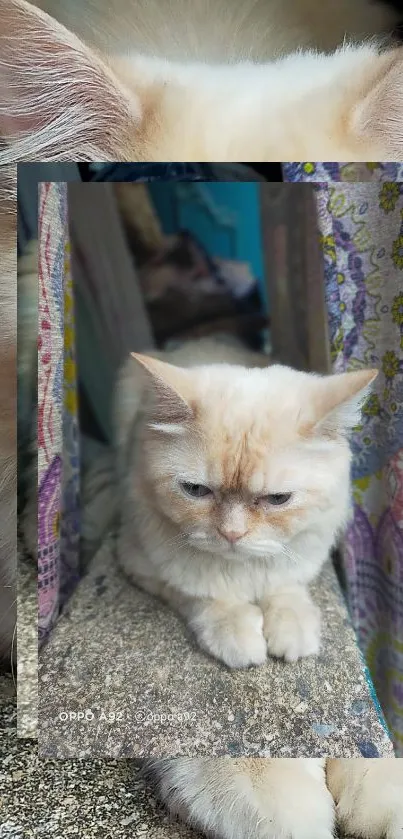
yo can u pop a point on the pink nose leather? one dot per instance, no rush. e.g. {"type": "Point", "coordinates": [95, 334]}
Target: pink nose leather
{"type": "Point", "coordinates": [232, 535]}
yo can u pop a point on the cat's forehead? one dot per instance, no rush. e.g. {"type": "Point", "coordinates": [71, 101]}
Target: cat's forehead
{"type": "Point", "coordinates": [251, 426]}
{"type": "Point", "coordinates": [244, 462]}
{"type": "Point", "coordinates": [242, 453]}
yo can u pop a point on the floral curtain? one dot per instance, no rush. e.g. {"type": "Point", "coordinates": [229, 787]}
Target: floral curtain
{"type": "Point", "coordinates": [361, 226]}
{"type": "Point", "coordinates": [352, 172]}
{"type": "Point", "coordinates": [58, 474]}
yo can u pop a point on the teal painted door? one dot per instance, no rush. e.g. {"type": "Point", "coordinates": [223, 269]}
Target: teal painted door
{"type": "Point", "coordinates": [225, 218]}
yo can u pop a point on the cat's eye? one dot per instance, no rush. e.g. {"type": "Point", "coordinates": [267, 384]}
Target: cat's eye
{"type": "Point", "coordinates": [277, 498]}
{"type": "Point", "coordinates": [195, 490]}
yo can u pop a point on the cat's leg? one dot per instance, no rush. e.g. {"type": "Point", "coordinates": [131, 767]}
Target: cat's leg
{"type": "Point", "coordinates": [231, 632]}
{"type": "Point", "coordinates": [291, 623]}
{"type": "Point", "coordinates": [369, 796]}
{"type": "Point", "coordinates": [243, 798]}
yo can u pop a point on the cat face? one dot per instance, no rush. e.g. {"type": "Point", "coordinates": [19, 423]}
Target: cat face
{"type": "Point", "coordinates": [244, 460]}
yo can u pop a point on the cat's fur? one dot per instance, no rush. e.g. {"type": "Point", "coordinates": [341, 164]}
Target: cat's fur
{"type": "Point", "coordinates": [191, 87]}
{"type": "Point", "coordinates": [236, 568]}
{"type": "Point", "coordinates": [285, 798]}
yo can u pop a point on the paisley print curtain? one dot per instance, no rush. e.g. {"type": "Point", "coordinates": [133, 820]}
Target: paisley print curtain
{"type": "Point", "coordinates": [361, 227]}
{"type": "Point", "coordinates": [58, 473]}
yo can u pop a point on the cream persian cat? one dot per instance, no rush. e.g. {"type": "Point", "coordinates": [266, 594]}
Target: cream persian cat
{"type": "Point", "coordinates": [226, 80]}
{"type": "Point", "coordinates": [285, 798]}
{"type": "Point", "coordinates": [234, 487]}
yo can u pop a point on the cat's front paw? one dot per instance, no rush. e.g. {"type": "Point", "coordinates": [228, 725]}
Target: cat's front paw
{"type": "Point", "coordinates": [369, 797]}
{"type": "Point", "coordinates": [291, 626]}
{"type": "Point", "coordinates": [248, 798]}
{"type": "Point", "coordinates": [233, 634]}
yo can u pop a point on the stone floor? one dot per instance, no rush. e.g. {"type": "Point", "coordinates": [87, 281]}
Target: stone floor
{"type": "Point", "coordinates": [122, 677]}
{"type": "Point", "coordinates": [27, 642]}
{"type": "Point", "coordinates": [93, 799]}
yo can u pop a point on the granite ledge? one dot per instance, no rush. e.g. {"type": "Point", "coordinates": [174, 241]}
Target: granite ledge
{"type": "Point", "coordinates": [122, 677]}
{"type": "Point", "coordinates": [91, 798]}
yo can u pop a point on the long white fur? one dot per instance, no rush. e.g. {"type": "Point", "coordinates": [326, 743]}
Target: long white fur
{"type": "Point", "coordinates": [285, 798]}
{"type": "Point", "coordinates": [221, 31]}
{"type": "Point", "coordinates": [291, 107]}
{"type": "Point", "coordinates": [256, 81]}
{"type": "Point", "coordinates": [51, 99]}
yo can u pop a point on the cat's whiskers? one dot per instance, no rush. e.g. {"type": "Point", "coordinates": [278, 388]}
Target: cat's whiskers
{"type": "Point", "coordinates": [179, 540]}
{"type": "Point", "coordinates": [175, 542]}
{"type": "Point", "coordinates": [291, 554]}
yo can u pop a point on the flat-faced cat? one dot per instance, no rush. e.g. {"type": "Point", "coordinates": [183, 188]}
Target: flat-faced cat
{"type": "Point", "coordinates": [234, 485]}
{"type": "Point", "coordinates": [290, 798]}
{"type": "Point", "coordinates": [230, 80]}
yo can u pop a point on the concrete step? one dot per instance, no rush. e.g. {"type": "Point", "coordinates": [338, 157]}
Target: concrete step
{"type": "Point", "coordinates": [95, 799]}
{"type": "Point", "coordinates": [122, 677]}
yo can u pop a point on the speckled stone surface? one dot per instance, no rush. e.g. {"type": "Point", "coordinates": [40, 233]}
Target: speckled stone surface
{"type": "Point", "coordinates": [27, 641]}
{"type": "Point", "coordinates": [94, 799]}
{"type": "Point", "coordinates": [122, 677]}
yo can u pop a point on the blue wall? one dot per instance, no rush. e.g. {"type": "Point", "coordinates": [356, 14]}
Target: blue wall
{"type": "Point", "coordinates": [232, 229]}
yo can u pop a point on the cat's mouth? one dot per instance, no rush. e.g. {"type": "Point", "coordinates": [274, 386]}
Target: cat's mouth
{"type": "Point", "coordinates": [237, 550]}
{"type": "Point", "coordinates": [214, 546]}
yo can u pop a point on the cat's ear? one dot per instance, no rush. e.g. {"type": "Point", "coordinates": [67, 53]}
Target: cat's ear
{"type": "Point", "coordinates": [59, 100]}
{"type": "Point", "coordinates": [170, 409]}
{"type": "Point", "coordinates": [378, 117]}
{"type": "Point", "coordinates": [338, 400]}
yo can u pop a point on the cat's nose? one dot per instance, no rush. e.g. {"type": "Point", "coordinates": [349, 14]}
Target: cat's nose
{"type": "Point", "coordinates": [232, 535]}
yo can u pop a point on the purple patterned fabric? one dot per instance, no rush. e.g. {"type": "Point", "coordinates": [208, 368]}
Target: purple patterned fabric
{"type": "Point", "coordinates": [325, 172]}
{"type": "Point", "coordinates": [361, 227]}
{"type": "Point", "coordinates": [57, 413]}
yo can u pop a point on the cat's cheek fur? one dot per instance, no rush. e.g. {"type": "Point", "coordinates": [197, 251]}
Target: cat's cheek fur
{"type": "Point", "coordinates": [231, 633]}
{"type": "Point", "coordinates": [369, 796]}
{"type": "Point", "coordinates": [291, 624]}
{"type": "Point", "coordinates": [244, 798]}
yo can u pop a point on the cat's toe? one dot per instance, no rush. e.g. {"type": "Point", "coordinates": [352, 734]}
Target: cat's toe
{"type": "Point", "coordinates": [292, 634]}
{"type": "Point", "coordinates": [372, 814]}
{"type": "Point", "coordinates": [248, 651]}
{"type": "Point", "coordinates": [377, 821]}
{"type": "Point", "coordinates": [368, 796]}
{"type": "Point", "coordinates": [234, 635]}
{"type": "Point", "coordinates": [248, 643]}
{"type": "Point", "coordinates": [242, 641]}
